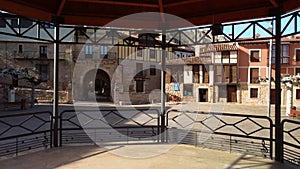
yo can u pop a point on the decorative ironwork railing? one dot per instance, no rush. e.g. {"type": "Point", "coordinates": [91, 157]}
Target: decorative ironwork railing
{"type": "Point", "coordinates": [291, 141]}
{"type": "Point", "coordinates": [232, 132]}
{"type": "Point", "coordinates": [25, 132]}
{"type": "Point", "coordinates": [109, 126]}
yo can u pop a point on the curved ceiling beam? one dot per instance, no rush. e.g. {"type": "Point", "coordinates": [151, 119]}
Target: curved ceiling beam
{"type": "Point", "coordinates": [117, 3]}
{"type": "Point", "coordinates": [274, 3]}
{"type": "Point", "coordinates": [61, 7]}
{"type": "Point", "coordinates": [161, 10]}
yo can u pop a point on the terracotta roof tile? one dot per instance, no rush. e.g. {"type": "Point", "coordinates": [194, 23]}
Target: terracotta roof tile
{"type": "Point", "coordinates": [225, 47]}
{"type": "Point", "coordinates": [190, 60]}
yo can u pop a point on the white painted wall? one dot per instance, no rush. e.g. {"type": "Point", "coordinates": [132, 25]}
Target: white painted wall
{"type": "Point", "coordinates": [188, 74]}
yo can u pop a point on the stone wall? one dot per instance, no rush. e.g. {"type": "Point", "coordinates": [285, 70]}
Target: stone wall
{"type": "Point", "coordinates": [41, 96]}
{"type": "Point", "coordinates": [138, 98]}
{"type": "Point", "coordinates": [263, 93]}
{"type": "Point", "coordinates": [195, 98]}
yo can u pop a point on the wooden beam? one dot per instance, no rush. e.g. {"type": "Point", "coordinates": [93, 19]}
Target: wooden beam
{"type": "Point", "coordinates": [27, 11]}
{"type": "Point", "coordinates": [61, 7]}
{"type": "Point", "coordinates": [117, 3]}
{"type": "Point", "coordinates": [182, 3]}
{"type": "Point", "coordinates": [274, 3]}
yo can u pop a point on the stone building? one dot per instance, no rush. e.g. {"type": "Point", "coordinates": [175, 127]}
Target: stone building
{"type": "Point", "coordinates": [34, 58]}
{"type": "Point", "coordinates": [127, 72]}
{"type": "Point", "coordinates": [254, 70]}
{"type": "Point", "coordinates": [210, 76]}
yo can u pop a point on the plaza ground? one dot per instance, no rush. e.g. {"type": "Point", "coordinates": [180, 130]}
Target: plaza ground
{"type": "Point", "coordinates": [179, 157]}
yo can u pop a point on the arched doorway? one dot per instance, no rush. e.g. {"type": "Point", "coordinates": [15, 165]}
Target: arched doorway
{"type": "Point", "coordinates": [102, 86]}
{"type": "Point", "coordinates": [97, 86]}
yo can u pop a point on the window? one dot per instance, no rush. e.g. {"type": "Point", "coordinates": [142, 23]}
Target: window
{"type": "Point", "coordinates": [20, 48]}
{"type": "Point", "coordinates": [254, 75]}
{"type": "Point", "coordinates": [88, 51]}
{"type": "Point", "coordinates": [297, 71]}
{"type": "Point", "coordinates": [152, 70]}
{"type": "Point", "coordinates": [139, 69]}
{"type": "Point", "coordinates": [205, 74]}
{"type": "Point", "coordinates": [285, 54]}
{"type": "Point", "coordinates": [285, 50]}
{"type": "Point", "coordinates": [187, 89]}
{"type": "Point", "coordinates": [43, 71]}
{"type": "Point", "coordinates": [219, 73]}
{"type": "Point", "coordinates": [254, 56]}
{"type": "Point", "coordinates": [103, 51]}
{"type": "Point", "coordinates": [297, 93]}
{"type": "Point", "coordinates": [225, 54]}
{"type": "Point", "coordinates": [297, 55]}
{"type": "Point", "coordinates": [152, 54]}
{"type": "Point", "coordinates": [139, 86]}
{"type": "Point", "coordinates": [43, 52]}
{"type": "Point", "coordinates": [253, 92]}
{"type": "Point", "coordinates": [139, 52]}
{"type": "Point", "coordinates": [226, 73]}
{"type": "Point", "coordinates": [196, 74]}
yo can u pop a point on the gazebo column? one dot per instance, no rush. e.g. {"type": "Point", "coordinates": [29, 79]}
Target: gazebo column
{"type": "Point", "coordinates": [56, 83]}
{"type": "Point", "coordinates": [163, 86]}
{"type": "Point", "coordinates": [278, 128]}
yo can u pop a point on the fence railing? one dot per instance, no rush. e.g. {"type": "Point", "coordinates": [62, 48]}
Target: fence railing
{"type": "Point", "coordinates": [291, 141]}
{"type": "Point", "coordinates": [232, 132]}
{"type": "Point", "coordinates": [249, 134]}
{"type": "Point", "coordinates": [25, 132]}
{"type": "Point", "coordinates": [109, 126]}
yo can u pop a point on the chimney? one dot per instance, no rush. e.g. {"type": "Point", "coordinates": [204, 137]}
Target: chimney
{"type": "Point", "coordinates": [257, 35]}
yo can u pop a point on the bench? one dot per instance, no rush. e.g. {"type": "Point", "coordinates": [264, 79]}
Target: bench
{"type": "Point", "coordinates": [21, 104]}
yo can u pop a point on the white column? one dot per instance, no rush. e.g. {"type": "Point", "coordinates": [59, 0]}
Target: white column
{"type": "Point", "coordinates": [201, 67]}
{"type": "Point", "coordinates": [289, 97]}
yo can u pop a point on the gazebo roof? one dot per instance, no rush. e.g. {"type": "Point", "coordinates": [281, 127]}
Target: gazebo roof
{"type": "Point", "coordinates": [101, 12]}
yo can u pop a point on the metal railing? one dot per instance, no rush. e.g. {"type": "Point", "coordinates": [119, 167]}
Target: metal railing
{"type": "Point", "coordinates": [291, 141]}
{"type": "Point", "coordinates": [249, 134]}
{"type": "Point", "coordinates": [25, 132]}
{"type": "Point", "coordinates": [231, 132]}
{"type": "Point", "coordinates": [109, 126]}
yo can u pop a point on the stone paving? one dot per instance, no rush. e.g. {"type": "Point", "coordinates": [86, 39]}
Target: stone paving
{"type": "Point", "coordinates": [179, 157]}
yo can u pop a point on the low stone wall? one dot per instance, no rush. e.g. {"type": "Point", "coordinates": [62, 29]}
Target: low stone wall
{"type": "Point", "coordinates": [41, 96]}
{"type": "Point", "coordinates": [138, 98]}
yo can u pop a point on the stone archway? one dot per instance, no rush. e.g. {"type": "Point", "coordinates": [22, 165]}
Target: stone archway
{"type": "Point", "coordinates": [102, 86]}
{"type": "Point", "coordinates": [97, 85]}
